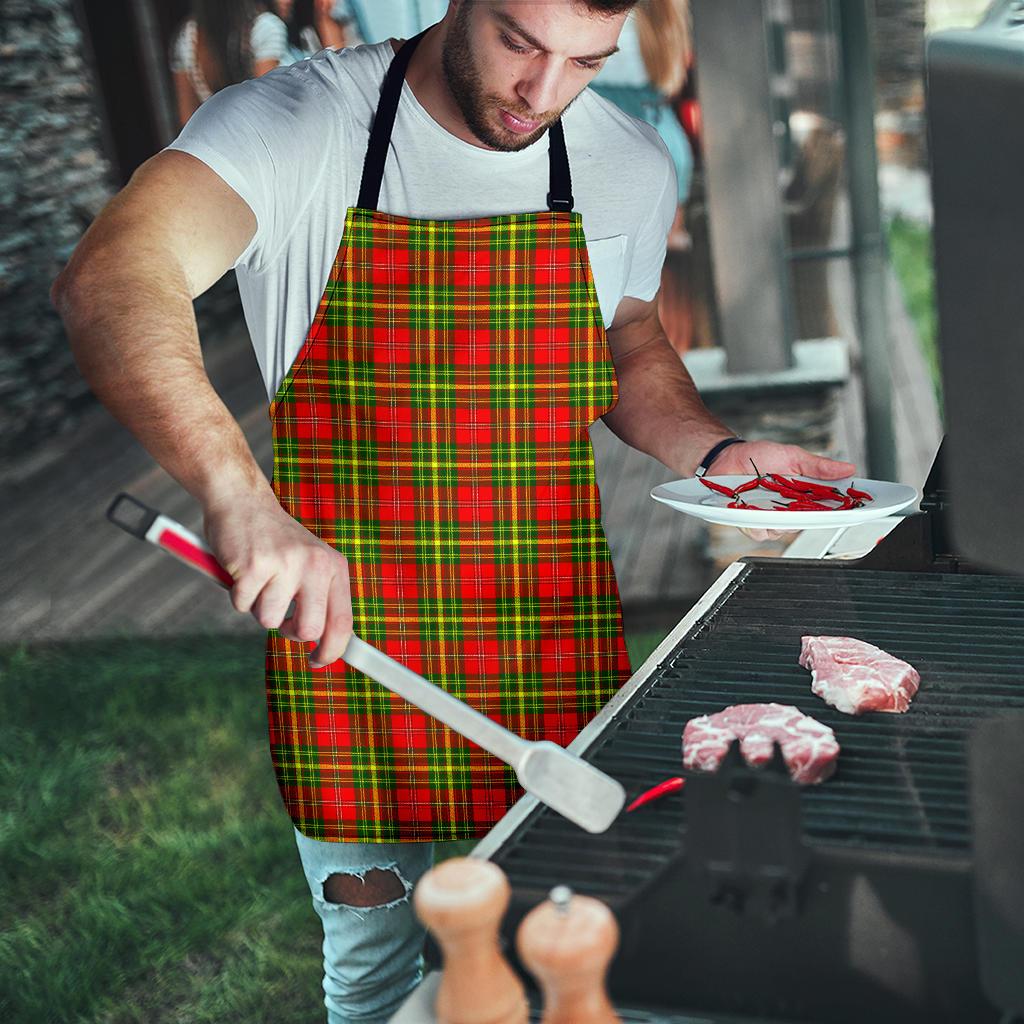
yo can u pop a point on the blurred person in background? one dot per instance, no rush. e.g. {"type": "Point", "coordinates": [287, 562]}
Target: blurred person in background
{"type": "Point", "coordinates": [221, 43]}
{"type": "Point", "coordinates": [646, 79]}
{"type": "Point", "coordinates": [313, 25]}
{"type": "Point", "coordinates": [647, 75]}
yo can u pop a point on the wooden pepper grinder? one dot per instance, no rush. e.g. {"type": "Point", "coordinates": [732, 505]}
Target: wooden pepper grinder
{"type": "Point", "coordinates": [567, 943]}
{"type": "Point", "coordinates": [462, 901]}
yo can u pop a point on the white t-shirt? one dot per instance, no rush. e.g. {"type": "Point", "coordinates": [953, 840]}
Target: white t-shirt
{"type": "Point", "coordinates": [292, 143]}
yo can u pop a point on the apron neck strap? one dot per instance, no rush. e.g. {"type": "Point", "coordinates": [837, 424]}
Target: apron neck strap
{"type": "Point", "coordinates": [559, 197]}
{"type": "Point", "coordinates": [560, 185]}
{"type": "Point", "coordinates": [383, 122]}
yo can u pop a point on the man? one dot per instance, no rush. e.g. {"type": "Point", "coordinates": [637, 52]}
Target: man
{"type": "Point", "coordinates": [431, 380]}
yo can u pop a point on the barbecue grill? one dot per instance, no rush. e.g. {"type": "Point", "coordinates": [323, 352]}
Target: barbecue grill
{"type": "Point", "coordinates": [748, 896]}
{"type": "Point", "coordinates": [895, 890]}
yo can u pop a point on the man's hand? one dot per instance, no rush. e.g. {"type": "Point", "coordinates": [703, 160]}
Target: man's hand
{"type": "Point", "coordinates": [274, 559]}
{"type": "Point", "coordinates": [771, 457]}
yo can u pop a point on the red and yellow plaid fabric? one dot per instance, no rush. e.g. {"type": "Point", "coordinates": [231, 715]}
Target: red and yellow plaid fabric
{"type": "Point", "coordinates": [434, 430]}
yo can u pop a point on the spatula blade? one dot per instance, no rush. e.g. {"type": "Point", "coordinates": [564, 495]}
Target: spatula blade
{"type": "Point", "coordinates": [571, 786]}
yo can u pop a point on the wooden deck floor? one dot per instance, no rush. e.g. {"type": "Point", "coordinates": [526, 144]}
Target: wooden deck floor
{"type": "Point", "coordinates": [69, 573]}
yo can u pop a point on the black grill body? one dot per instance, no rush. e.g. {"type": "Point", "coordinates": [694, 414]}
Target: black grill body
{"type": "Point", "coordinates": [847, 901]}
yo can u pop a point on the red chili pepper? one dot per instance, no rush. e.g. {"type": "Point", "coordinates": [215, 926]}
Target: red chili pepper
{"type": "Point", "coordinates": [809, 487]}
{"type": "Point", "coordinates": [862, 495]}
{"type": "Point", "coordinates": [812, 485]}
{"type": "Point", "coordinates": [786, 492]}
{"type": "Point", "coordinates": [806, 505]}
{"type": "Point", "coordinates": [660, 790]}
{"type": "Point", "coordinates": [717, 487]}
{"type": "Point", "coordinates": [750, 485]}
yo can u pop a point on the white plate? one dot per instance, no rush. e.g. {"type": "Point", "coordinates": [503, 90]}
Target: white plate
{"type": "Point", "coordinates": [693, 498]}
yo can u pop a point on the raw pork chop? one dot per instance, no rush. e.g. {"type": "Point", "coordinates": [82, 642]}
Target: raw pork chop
{"type": "Point", "coordinates": [855, 677]}
{"type": "Point", "coordinates": [808, 747]}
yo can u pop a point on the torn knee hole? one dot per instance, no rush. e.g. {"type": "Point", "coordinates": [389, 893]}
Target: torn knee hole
{"type": "Point", "coordinates": [374, 889]}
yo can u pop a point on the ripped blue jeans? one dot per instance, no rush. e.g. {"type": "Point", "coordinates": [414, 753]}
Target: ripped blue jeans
{"type": "Point", "coordinates": [373, 956]}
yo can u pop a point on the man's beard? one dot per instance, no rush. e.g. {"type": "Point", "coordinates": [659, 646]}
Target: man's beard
{"type": "Point", "coordinates": [466, 86]}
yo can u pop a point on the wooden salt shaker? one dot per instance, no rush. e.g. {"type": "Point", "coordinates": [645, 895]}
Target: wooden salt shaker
{"type": "Point", "coordinates": [462, 901]}
{"type": "Point", "coordinates": [567, 942]}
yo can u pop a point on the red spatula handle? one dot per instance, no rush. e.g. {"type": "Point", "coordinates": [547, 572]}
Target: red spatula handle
{"type": "Point", "coordinates": [147, 524]}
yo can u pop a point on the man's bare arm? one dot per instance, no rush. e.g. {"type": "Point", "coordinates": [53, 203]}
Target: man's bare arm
{"type": "Point", "coordinates": [660, 412]}
{"type": "Point", "coordinates": [126, 301]}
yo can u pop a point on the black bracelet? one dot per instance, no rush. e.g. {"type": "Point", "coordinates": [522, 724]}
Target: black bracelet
{"type": "Point", "coordinates": [705, 463]}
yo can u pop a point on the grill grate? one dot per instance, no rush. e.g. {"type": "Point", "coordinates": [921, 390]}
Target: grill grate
{"type": "Point", "coordinates": [901, 784]}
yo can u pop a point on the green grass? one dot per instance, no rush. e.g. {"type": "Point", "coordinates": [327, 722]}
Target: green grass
{"type": "Point", "coordinates": [149, 871]}
{"type": "Point", "coordinates": [910, 248]}
{"type": "Point", "coordinates": [149, 868]}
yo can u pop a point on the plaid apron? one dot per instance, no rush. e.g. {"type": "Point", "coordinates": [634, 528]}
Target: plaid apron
{"type": "Point", "coordinates": [433, 429]}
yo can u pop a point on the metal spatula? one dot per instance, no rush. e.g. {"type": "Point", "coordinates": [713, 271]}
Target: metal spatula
{"type": "Point", "coordinates": [567, 784]}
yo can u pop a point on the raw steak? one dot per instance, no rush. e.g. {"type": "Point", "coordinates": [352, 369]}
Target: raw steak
{"type": "Point", "coordinates": [855, 677]}
{"type": "Point", "coordinates": [808, 747]}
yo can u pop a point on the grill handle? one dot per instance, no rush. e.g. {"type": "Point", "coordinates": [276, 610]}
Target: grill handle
{"type": "Point", "coordinates": [744, 835]}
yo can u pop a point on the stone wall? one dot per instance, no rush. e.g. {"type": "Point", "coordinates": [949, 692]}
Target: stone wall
{"type": "Point", "coordinates": [54, 178]}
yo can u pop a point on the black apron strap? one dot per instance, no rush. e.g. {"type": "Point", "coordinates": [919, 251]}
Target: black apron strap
{"type": "Point", "coordinates": [559, 186]}
{"type": "Point", "coordinates": [383, 122]}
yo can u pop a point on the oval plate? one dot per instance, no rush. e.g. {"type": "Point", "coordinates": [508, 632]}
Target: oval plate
{"type": "Point", "coordinates": [693, 498]}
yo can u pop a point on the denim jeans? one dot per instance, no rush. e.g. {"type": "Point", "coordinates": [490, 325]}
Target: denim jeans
{"type": "Point", "coordinates": [372, 955]}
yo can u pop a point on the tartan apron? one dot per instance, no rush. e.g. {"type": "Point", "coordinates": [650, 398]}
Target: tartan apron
{"type": "Point", "coordinates": [433, 429]}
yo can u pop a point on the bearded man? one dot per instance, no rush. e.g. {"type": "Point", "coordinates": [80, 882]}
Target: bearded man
{"type": "Point", "coordinates": [448, 252]}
